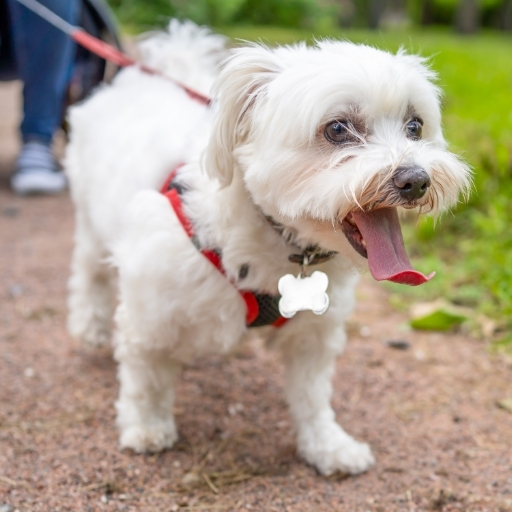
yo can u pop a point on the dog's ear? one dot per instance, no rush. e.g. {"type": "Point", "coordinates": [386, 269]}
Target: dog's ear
{"type": "Point", "coordinates": [242, 81]}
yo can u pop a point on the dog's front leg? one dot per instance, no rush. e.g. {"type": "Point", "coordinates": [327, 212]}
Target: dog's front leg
{"type": "Point", "coordinates": [309, 366]}
{"type": "Point", "coordinates": [146, 396]}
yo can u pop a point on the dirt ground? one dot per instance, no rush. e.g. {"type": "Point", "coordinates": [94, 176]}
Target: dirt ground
{"type": "Point", "coordinates": [430, 412]}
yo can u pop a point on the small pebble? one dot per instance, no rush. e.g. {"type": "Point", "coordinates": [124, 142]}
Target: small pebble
{"type": "Point", "coordinates": [505, 404]}
{"type": "Point", "coordinates": [190, 478]}
{"type": "Point", "coordinates": [419, 355]}
{"type": "Point", "coordinates": [29, 372]}
{"type": "Point", "coordinates": [365, 331]}
{"type": "Point", "coordinates": [398, 344]}
{"type": "Point", "coordinates": [233, 409]}
{"type": "Point", "coordinates": [6, 508]}
{"type": "Point", "coordinates": [15, 290]}
{"type": "Point", "coordinates": [11, 211]}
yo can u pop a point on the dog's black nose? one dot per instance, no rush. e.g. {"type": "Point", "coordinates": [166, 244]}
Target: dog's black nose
{"type": "Point", "coordinates": [412, 182]}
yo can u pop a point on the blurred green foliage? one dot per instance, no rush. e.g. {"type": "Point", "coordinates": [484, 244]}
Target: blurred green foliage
{"type": "Point", "coordinates": [312, 14]}
{"type": "Point", "coordinates": [288, 13]}
{"type": "Point", "coordinates": [471, 249]}
{"type": "Point", "coordinates": [444, 10]}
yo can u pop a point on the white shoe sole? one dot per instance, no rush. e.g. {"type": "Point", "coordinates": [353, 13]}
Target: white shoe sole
{"type": "Point", "coordinates": [38, 182]}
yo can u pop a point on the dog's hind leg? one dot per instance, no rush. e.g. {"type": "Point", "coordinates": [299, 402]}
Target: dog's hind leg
{"type": "Point", "coordinates": [91, 300]}
{"type": "Point", "coordinates": [309, 367]}
{"type": "Point", "coordinates": [146, 396]}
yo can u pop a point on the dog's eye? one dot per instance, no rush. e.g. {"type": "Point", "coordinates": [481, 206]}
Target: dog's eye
{"type": "Point", "coordinates": [414, 129]}
{"type": "Point", "coordinates": [337, 132]}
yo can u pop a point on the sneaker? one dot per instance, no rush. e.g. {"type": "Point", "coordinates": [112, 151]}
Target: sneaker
{"type": "Point", "coordinates": [37, 171]}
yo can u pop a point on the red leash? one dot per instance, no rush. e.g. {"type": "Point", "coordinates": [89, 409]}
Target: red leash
{"type": "Point", "coordinates": [102, 49]}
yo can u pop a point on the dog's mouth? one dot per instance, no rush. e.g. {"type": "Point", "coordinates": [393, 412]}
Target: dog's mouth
{"type": "Point", "coordinates": [377, 236]}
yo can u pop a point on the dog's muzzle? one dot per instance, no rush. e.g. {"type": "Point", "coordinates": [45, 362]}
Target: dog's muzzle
{"type": "Point", "coordinates": [411, 182]}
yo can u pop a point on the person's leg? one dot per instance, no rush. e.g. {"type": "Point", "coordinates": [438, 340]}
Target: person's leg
{"type": "Point", "coordinates": [44, 59]}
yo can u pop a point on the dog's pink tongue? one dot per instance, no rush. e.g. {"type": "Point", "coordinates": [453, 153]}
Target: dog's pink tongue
{"type": "Point", "coordinates": [387, 257]}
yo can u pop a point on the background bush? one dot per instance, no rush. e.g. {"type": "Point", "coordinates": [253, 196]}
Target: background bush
{"type": "Point", "coordinates": [286, 13]}
{"type": "Point", "coordinates": [309, 13]}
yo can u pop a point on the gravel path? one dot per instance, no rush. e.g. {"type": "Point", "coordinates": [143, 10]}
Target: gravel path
{"type": "Point", "coordinates": [430, 412]}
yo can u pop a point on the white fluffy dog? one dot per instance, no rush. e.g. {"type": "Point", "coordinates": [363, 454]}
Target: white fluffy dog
{"type": "Point", "coordinates": [304, 157]}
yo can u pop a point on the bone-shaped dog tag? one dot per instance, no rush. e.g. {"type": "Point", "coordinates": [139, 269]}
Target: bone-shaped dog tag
{"type": "Point", "coordinates": [303, 293]}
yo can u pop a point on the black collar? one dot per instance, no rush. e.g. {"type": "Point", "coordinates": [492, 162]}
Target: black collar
{"type": "Point", "coordinates": [312, 254]}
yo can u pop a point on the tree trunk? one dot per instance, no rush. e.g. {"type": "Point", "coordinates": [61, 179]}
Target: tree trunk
{"type": "Point", "coordinates": [395, 5]}
{"type": "Point", "coordinates": [375, 11]}
{"type": "Point", "coordinates": [347, 13]}
{"type": "Point", "coordinates": [467, 17]}
{"type": "Point", "coordinates": [507, 15]}
{"type": "Point", "coordinates": [427, 12]}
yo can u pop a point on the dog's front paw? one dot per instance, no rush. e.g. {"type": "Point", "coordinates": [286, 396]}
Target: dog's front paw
{"type": "Point", "coordinates": [149, 438]}
{"type": "Point", "coordinates": [331, 449]}
{"type": "Point", "coordinates": [352, 458]}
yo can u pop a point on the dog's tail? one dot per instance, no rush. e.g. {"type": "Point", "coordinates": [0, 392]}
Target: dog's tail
{"type": "Point", "coordinates": [185, 52]}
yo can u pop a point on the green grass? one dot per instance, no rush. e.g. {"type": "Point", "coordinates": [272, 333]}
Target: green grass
{"type": "Point", "coordinates": [471, 248]}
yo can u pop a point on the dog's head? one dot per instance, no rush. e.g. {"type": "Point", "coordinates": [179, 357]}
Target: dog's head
{"type": "Point", "coordinates": [330, 140]}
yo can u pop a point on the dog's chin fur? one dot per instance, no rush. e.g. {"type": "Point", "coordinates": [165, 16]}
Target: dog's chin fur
{"type": "Point", "coordinates": [260, 151]}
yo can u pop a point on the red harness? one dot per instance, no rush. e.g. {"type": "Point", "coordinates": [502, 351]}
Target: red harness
{"type": "Point", "coordinates": [249, 297]}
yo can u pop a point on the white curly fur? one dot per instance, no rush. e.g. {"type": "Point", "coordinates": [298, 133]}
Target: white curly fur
{"type": "Point", "coordinates": [266, 153]}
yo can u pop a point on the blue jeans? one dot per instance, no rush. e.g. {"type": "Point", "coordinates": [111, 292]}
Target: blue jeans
{"type": "Point", "coordinates": [44, 61]}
